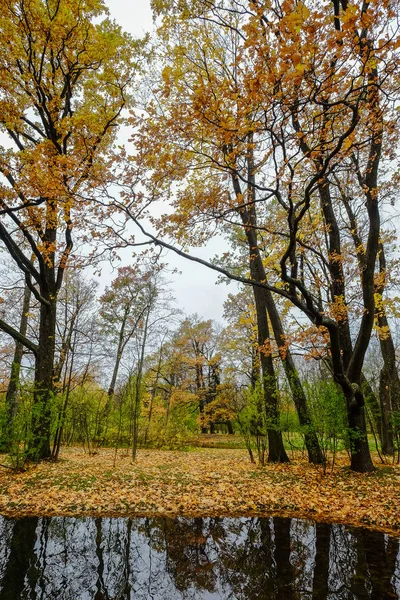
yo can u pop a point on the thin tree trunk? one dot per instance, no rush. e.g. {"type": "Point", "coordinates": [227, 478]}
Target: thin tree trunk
{"type": "Point", "coordinates": [154, 390]}
{"type": "Point", "coordinates": [66, 391]}
{"type": "Point", "coordinates": [372, 403]}
{"type": "Point", "coordinates": [103, 417]}
{"type": "Point", "coordinates": [386, 433]}
{"type": "Point", "coordinates": [13, 385]}
{"type": "Point", "coordinates": [389, 389]}
{"type": "Point", "coordinates": [138, 386]}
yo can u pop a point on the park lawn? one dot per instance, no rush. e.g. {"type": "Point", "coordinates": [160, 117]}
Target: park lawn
{"type": "Point", "coordinates": [202, 482]}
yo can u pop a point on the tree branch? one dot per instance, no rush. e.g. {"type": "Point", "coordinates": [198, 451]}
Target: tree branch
{"type": "Point", "coordinates": [14, 333]}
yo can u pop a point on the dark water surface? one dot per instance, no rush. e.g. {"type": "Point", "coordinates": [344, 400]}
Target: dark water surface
{"type": "Point", "coordinates": [200, 558]}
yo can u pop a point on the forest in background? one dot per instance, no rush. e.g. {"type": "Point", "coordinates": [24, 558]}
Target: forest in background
{"type": "Point", "coordinates": [272, 124]}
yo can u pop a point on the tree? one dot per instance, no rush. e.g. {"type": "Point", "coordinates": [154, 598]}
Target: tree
{"type": "Point", "coordinates": [197, 341]}
{"type": "Point", "coordinates": [16, 304]}
{"type": "Point", "coordinates": [74, 328]}
{"type": "Point", "coordinates": [124, 305]}
{"type": "Point", "coordinates": [278, 100]}
{"type": "Point", "coordinates": [14, 382]}
{"type": "Point", "coordinates": [142, 338]}
{"type": "Point", "coordinates": [173, 378]}
{"type": "Point", "coordinates": [239, 339]}
{"type": "Point", "coordinates": [66, 73]}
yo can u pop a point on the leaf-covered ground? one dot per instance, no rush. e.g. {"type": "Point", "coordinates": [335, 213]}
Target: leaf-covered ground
{"type": "Point", "coordinates": [204, 482]}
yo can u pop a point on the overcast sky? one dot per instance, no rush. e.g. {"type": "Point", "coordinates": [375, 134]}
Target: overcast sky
{"type": "Point", "coordinates": [135, 16]}
{"type": "Point", "coordinates": [194, 287]}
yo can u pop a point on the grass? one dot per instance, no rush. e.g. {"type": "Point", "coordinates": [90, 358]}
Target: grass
{"type": "Point", "coordinates": [204, 482]}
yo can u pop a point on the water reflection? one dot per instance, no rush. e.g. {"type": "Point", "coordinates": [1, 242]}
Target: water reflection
{"type": "Point", "coordinates": [199, 558]}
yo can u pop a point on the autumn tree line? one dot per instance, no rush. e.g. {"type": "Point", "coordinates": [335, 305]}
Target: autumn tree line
{"type": "Point", "coordinates": [271, 124]}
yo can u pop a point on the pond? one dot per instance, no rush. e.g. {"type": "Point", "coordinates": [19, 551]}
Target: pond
{"type": "Point", "coordinates": [68, 558]}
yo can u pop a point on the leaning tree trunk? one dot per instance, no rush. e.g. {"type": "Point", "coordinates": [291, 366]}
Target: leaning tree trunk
{"type": "Point", "coordinates": [276, 450]}
{"type": "Point", "coordinates": [299, 398]}
{"type": "Point", "coordinates": [101, 428]}
{"type": "Point", "coordinates": [13, 386]}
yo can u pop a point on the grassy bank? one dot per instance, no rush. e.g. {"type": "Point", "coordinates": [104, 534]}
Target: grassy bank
{"type": "Point", "coordinates": [206, 482]}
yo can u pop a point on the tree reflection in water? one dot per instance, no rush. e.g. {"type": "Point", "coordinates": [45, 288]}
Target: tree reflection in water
{"type": "Point", "coordinates": [198, 558]}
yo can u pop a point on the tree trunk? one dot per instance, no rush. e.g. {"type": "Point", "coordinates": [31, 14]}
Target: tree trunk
{"type": "Point", "coordinates": [101, 429]}
{"type": "Point", "coordinates": [389, 385]}
{"type": "Point", "coordinates": [380, 555]}
{"type": "Point", "coordinates": [101, 591]}
{"type": "Point", "coordinates": [360, 455]}
{"type": "Point", "coordinates": [372, 402]}
{"type": "Point", "coordinates": [138, 385]}
{"type": "Point", "coordinates": [66, 392]}
{"type": "Point", "coordinates": [276, 450]}
{"type": "Point", "coordinates": [39, 447]}
{"type": "Point", "coordinates": [13, 386]}
{"type": "Point", "coordinates": [200, 388]}
{"type": "Point", "coordinates": [349, 359]}
{"type": "Point", "coordinates": [386, 433]}
{"type": "Point", "coordinates": [136, 412]}
{"type": "Point", "coordinates": [320, 587]}
{"type": "Point", "coordinates": [284, 569]}
{"type": "Point", "coordinates": [315, 455]}
{"type": "Point", "coordinates": [154, 390]}
{"type": "Point", "coordinates": [19, 571]}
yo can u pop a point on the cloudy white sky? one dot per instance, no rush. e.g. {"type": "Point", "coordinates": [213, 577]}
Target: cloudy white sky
{"type": "Point", "coordinates": [134, 16]}
{"type": "Point", "coordinates": [194, 286]}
